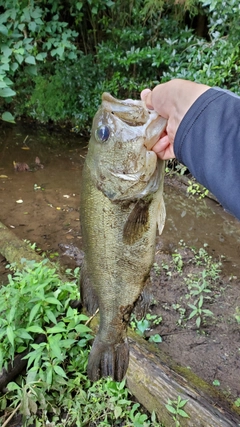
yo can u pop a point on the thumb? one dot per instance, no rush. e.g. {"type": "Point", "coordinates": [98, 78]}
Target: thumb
{"type": "Point", "coordinates": [146, 96]}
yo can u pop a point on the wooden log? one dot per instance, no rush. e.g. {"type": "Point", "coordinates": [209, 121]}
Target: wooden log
{"type": "Point", "coordinates": [15, 249]}
{"type": "Point", "coordinates": [153, 378]}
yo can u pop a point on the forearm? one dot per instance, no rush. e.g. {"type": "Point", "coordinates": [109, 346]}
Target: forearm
{"type": "Point", "coordinates": [208, 143]}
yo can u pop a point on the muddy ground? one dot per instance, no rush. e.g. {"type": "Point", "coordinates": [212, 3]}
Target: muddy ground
{"type": "Point", "coordinates": [42, 206]}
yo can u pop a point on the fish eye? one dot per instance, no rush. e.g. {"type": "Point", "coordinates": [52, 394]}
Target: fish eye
{"type": "Point", "coordinates": [102, 133]}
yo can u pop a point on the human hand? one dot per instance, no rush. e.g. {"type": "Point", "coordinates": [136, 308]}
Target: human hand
{"type": "Point", "coordinates": [171, 100]}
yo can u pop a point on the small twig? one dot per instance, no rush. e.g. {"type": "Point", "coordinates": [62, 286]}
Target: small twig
{"type": "Point", "coordinates": [92, 317]}
{"type": "Point", "coordinates": [11, 416]}
{"type": "Point", "coordinates": [24, 142]}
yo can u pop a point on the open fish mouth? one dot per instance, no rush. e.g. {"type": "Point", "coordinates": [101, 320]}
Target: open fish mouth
{"type": "Point", "coordinates": [135, 113]}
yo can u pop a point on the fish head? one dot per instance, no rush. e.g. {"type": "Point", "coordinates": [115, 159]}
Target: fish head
{"type": "Point", "coordinates": [119, 156]}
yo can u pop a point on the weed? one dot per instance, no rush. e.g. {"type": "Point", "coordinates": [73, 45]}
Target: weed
{"type": "Point", "coordinates": [181, 311]}
{"type": "Point", "coordinates": [237, 314]}
{"type": "Point", "coordinates": [145, 324]}
{"type": "Point", "coordinates": [55, 389]}
{"type": "Point", "coordinates": [195, 189]}
{"type": "Point", "coordinates": [175, 407]}
{"type": "Point", "coordinates": [157, 269]}
{"type": "Point", "coordinates": [166, 267]}
{"type": "Point", "coordinates": [198, 311]}
{"type": "Point", "coordinates": [178, 261]}
{"type": "Point", "coordinates": [199, 283]}
{"type": "Point", "coordinates": [237, 402]}
{"type": "Point", "coordinates": [174, 167]}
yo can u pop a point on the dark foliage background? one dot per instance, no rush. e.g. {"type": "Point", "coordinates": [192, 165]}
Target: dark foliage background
{"type": "Point", "coordinates": [58, 56]}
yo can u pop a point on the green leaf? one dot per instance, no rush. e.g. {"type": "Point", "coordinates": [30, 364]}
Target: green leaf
{"type": "Point", "coordinates": [59, 371]}
{"type": "Point", "coordinates": [208, 312]}
{"type": "Point", "coordinates": [55, 349]}
{"type": "Point", "coordinates": [14, 66]}
{"type": "Point", "coordinates": [52, 300]}
{"type": "Point", "coordinates": [82, 317]}
{"type": "Point", "coordinates": [7, 117]}
{"type": "Point", "coordinates": [6, 51]}
{"type": "Point", "coordinates": [192, 314]}
{"type": "Point", "coordinates": [4, 67]}
{"type": "Point", "coordinates": [59, 51]}
{"type": "Point", "coordinates": [13, 386]}
{"type": "Point", "coordinates": [51, 316]}
{"type": "Point", "coordinates": [22, 333]}
{"type": "Point", "coordinates": [10, 335]}
{"type": "Point", "coordinates": [31, 70]}
{"type": "Point", "coordinates": [32, 26]}
{"type": "Point", "coordinates": [198, 321]}
{"type": "Point", "coordinates": [171, 409]}
{"type": "Point", "coordinates": [34, 312]}
{"type": "Point", "coordinates": [117, 411]}
{"type": "Point", "coordinates": [49, 375]}
{"type": "Point", "coordinates": [182, 403]}
{"type": "Point", "coordinates": [36, 328]}
{"type": "Point", "coordinates": [32, 405]}
{"type": "Point", "coordinates": [3, 30]}
{"type": "Point", "coordinates": [41, 56]}
{"type": "Point", "coordinates": [82, 329]}
{"type": "Point", "coordinates": [7, 92]}
{"type": "Point", "coordinates": [19, 58]}
{"type": "Point", "coordinates": [155, 338]}
{"type": "Point", "coordinates": [57, 328]}
{"type": "Point", "coordinates": [36, 13]}
{"type": "Point", "coordinates": [182, 413]}
{"type": "Point", "coordinates": [30, 60]}
{"type": "Point", "coordinates": [79, 5]}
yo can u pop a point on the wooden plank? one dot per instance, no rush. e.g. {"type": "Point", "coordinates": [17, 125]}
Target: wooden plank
{"type": "Point", "coordinates": [153, 379]}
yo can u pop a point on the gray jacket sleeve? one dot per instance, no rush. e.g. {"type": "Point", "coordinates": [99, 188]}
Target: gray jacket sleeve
{"type": "Point", "coordinates": [208, 143]}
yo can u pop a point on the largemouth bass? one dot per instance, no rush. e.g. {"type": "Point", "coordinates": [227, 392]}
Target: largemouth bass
{"type": "Point", "coordinates": [121, 207]}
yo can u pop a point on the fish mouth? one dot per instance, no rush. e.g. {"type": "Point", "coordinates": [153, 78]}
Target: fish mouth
{"type": "Point", "coordinates": [131, 112]}
{"type": "Point", "coordinates": [135, 113]}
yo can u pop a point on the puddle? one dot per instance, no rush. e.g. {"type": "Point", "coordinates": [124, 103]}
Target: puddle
{"type": "Point", "coordinates": [49, 212]}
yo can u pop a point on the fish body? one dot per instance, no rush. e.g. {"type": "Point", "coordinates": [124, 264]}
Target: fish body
{"type": "Point", "coordinates": [121, 206]}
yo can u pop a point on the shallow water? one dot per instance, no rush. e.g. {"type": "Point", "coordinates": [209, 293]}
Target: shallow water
{"type": "Point", "coordinates": [49, 212]}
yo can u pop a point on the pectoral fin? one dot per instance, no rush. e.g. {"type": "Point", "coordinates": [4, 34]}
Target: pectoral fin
{"type": "Point", "coordinates": [161, 215]}
{"type": "Point", "coordinates": [137, 222]}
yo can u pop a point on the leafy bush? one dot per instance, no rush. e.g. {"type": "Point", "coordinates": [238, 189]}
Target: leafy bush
{"type": "Point", "coordinates": [60, 59]}
{"type": "Point", "coordinates": [55, 389]}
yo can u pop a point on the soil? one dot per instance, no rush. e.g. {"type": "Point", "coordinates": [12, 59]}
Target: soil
{"type": "Point", "coordinates": [48, 215]}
